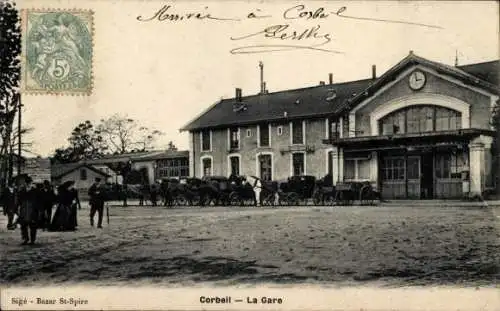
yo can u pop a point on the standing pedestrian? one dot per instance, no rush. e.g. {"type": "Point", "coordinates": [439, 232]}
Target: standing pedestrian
{"type": "Point", "coordinates": [48, 199]}
{"type": "Point", "coordinates": [9, 203]}
{"type": "Point", "coordinates": [257, 187]}
{"type": "Point", "coordinates": [75, 202]}
{"type": "Point", "coordinates": [154, 193]}
{"type": "Point", "coordinates": [65, 216]}
{"type": "Point", "coordinates": [28, 211]}
{"type": "Point", "coordinates": [97, 197]}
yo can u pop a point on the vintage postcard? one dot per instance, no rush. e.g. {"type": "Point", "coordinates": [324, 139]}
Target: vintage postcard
{"type": "Point", "coordinates": [248, 155]}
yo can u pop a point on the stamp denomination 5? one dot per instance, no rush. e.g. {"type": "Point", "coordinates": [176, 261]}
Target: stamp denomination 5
{"type": "Point", "coordinates": [58, 51]}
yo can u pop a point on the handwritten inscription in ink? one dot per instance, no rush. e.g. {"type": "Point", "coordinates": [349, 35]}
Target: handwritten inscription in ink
{"type": "Point", "coordinates": [281, 36]}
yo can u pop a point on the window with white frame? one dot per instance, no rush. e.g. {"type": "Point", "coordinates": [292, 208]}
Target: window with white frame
{"type": "Point", "coordinates": [420, 119]}
{"type": "Point", "coordinates": [332, 129]}
{"type": "Point", "coordinates": [298, 164]}
{"type": "Point", "coordinates": [279, 130]}
{"type": "Point", "coordinates": [249, 133]}
{"type": "Point", "coordinates": [234, 162]}
{"type": "Point", "coordinates": [264, 135]}
{"type": "Point", "coordinates": [297, 133]}
{"type": "Point", "coordinates": [356, 169]}
{"type": "Point", "coordinates": [206, 144]}
{"type": "Point", "coordinates": [207, 166]}
{"type": "Point", "coordinates": [234, 138]}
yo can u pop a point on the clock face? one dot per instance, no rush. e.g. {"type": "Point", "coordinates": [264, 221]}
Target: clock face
{"type": "Point", "coordinates": [417, 80]}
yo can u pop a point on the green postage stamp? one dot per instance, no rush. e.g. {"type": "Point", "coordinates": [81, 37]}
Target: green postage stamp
{"type": "Point", "coordinates": [57, 51]}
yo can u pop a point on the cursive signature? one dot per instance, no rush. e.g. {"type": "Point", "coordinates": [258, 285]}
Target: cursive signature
{"type": "Point", "coordinates": [165, 14]}
{"type": "Point", "coordinates": [284, 34]}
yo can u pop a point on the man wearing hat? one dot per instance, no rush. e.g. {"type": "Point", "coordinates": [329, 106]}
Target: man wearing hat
{"type": "Point", "coordinates": [28, 211]}
{"type": "Point", "coordinates": [48, 199]}
{"type": "Point", "coordinates": [9, 203]}
{"type": "Point", "coordinates": [96, 194]}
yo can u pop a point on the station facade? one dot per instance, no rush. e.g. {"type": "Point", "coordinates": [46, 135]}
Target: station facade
{"type": "Point", "coordinates": [422, 130]}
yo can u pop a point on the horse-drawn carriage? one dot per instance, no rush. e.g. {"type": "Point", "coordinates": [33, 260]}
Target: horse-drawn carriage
{"type": "Point", "coordinates": [188, 191]}
{"type": "Point", "coordinates": [209, 190]}
{"type": "Point", "coordinates": [239, 191]}
{"type": "Point", "coordinates": [297, 190]}
{"type": "Point", "coordinates": [348, 192]}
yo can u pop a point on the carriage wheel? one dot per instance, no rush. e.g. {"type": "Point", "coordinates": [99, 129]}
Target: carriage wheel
{"type": "Point", "coordinates": [195, 201]}
{"type": "Point", "coordinates": [235, 200]}
{"type": "Point", "coordinates": [248, 202]}
{"type": "Point", "coordinates": [292, 199]}
{"type": "Point", "coordinates": [282, 199]}
{"type": "Point", "coordinates": [204, 200]}
{"type": "Point", "coordinates": [328, 199]}
{"type": "Point", "coordinates": [366, 195]}
{"type": "Point", "coordinates": [180, 201]}
{"type": "Point", "coordinates": [268, 200]}
{"type": "Point", "coordinates": [318, 198]}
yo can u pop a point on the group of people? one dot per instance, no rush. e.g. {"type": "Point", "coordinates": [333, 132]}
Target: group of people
{"type": "Point", "coordinates": [33, 204]}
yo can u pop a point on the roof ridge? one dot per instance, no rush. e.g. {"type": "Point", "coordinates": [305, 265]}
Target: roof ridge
{"type": "Point", "coordinates": [302, 88]}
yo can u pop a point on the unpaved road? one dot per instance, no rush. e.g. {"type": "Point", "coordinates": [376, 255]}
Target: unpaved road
{"type": "Point", "coordinates": [388, 245]}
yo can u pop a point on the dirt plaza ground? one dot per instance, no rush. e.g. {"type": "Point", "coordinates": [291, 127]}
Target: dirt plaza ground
{"type": "Point", "coordinates": [389, 245]}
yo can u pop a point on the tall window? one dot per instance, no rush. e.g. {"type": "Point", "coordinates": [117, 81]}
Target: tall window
{"type": "Point", "coordinates": [264, 135]}
{"type": "Point", "coordinates": [447, 120]}
{"type": "Point", "coordinates": [207, 167]}
{"type": "Point", "coordinates": [266, 166]}
{"type": "Point", "coordinates": [332, 129]}
{"type": "Point", "coordinates": [349, 169]}
{"type": "Point", "coordinates": [449, 165]}
{"type": "Point", "coordinates": [205, 140]}
{"type": "Point", "coordinates": [330, 162]}
{"type": "Point", "coordinates": [234, 138]}
{"type": "Point", "coordinates": [420, 119]}
{"type": "Point", "coordinates": [235, 165]}
{"type": "Point", "coordinates": [298, 164]}
{"type": "Point", "coordinates": [297, 133]}
{"type": "Point", "coordinates": [83, 174]}
{"type": "Point", "coordinates": [413, 168]}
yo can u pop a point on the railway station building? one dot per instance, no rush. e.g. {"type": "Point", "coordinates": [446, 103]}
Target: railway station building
{"type": "Point", "coordinates": [422, 130]}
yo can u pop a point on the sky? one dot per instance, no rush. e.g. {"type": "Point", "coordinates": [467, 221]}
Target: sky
{"type": "Point", "coordinates": [165, 73]}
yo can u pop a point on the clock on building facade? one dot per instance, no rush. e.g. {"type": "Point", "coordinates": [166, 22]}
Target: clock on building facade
{"type": "Point", "coordinates": [417, 80]}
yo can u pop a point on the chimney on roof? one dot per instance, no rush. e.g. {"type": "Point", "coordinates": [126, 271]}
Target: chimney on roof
{"type": "Point", "coordinates": [321, 82]}
{"type": "Point", "coordinates": [262, 83]}
{"type": "Point", "coordinates": [374, 71]}
{"type": "Point", "coordinates": [330, 78]}
{"type": "Point", "coordinates": [238, 94]}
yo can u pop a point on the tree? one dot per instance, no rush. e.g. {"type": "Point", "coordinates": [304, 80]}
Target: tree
{"type": "Point", "coordinates": [123, 134]}
{"type": "Point", "coordinates": [10, 50]}
{"type": "Point", "coordinates": [85, 143]}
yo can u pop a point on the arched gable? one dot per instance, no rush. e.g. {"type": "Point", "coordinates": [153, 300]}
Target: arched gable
{"type": "Point", "coordinates": [420, 99]}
